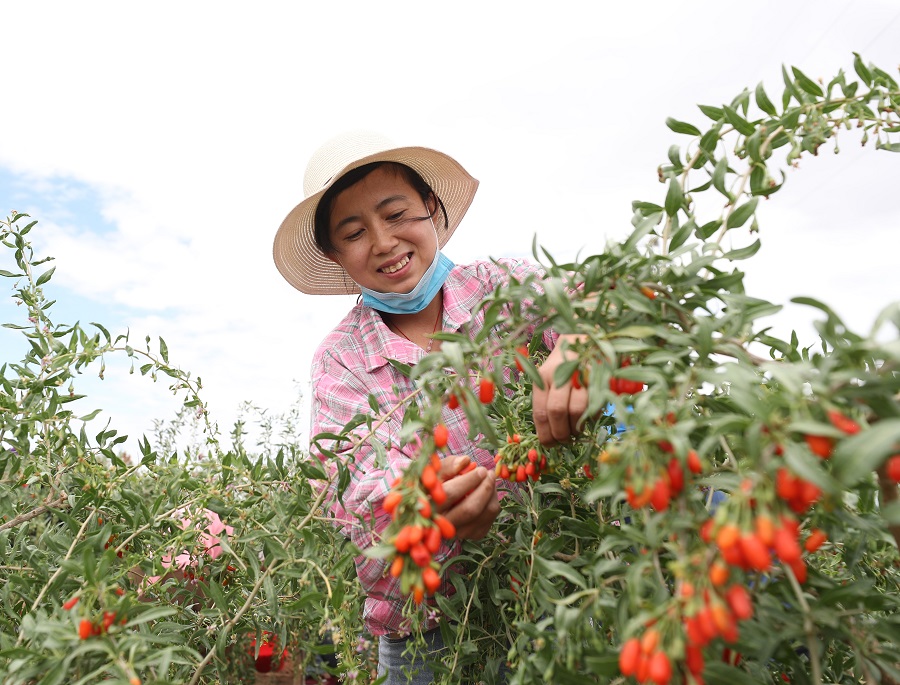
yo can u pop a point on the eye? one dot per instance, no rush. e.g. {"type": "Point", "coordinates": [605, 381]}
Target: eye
{"type": "Point", "coordinates": [354, 236]}
{"type": "Point", "coordinates": [396, 216]}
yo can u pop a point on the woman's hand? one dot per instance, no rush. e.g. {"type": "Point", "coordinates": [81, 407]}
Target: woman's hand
{"type": "Point", "coordinates": [557, 410]}
{"type": "Point", "coordinates": [472, 505]}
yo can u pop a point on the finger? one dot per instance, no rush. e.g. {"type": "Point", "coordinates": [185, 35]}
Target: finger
{"type": "Point", "coordinates": [469, 508]}
{"type": "Point", "coordinates": [539, 413]}
{"type": "Point", "coordinates": [558, 417]}
{"type": "Point", "coordinates": [452, 466]}
{"type": "Point", "coordinates": [461, 487]}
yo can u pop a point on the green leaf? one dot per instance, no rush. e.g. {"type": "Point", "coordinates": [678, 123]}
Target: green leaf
{"type": "Point", "coordinates": [682, 127]}
{"type": "Point", "coordinates": [44, 277]}
{"type": "Point", "coordinates": [682, 234]}
{"type": "Point", "coordinates": [740, 124]}
{"type": "Point", "coordinates": [807, 83]}
{"type": "Point", "coordinates": [718, 177]}
{"type": "Point", "coordinates": [153, 614]}
{"type": "Point", "coordinates": [890, 147]}
{"type": "Point", "coordinates": [707, 229]}
{"type": "Point", "coordinates": [10, 274]}
{"type": "Point", "coordinates": [743, 252]}
{"type": "Point", "coordinates": [674, 197]}
{"type": "Point", "coordinates": [88, 417]}
{"type": "Point", "coordinates": [763, 101]}
{"type": "Point", "coordinates": [859, 455]}
{"type": "Point", "coordinates": [550, 568]}
{"type": "Point", "coordinates": [163, 350]}
{"type": "Point", "coordinates": [861, 69]}
{"type": "Point", "coordinates": [714, 113]}
{"type": "Point", "coordinates": [740, 215]}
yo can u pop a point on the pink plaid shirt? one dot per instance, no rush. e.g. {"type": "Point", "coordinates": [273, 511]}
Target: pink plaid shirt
{"type": "Point", "coordinates": [350, 365]}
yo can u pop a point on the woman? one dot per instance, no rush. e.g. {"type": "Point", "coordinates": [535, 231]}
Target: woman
{"type": "Point", "coordinates": [374, 220]}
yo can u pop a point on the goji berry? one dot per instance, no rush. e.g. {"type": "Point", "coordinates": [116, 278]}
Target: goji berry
{"type": "Point", "coordinates": [521, 476]}
{"type": "Point", "coordinates": [755, 552]}
{"type": "Point", "coordinates": [820, 445]}
{"type": "Point", "coordinates": [693, 659]}
{"type": "Point", "coordinates": [397, 566]}
{"type": "Point", "coordinates": [85, 629]}
{"type": "Point", "coordinates": [433, 539]}
{"type": "Point", "coordinates": [523, 352]}
{"type": "Point", "coordinates": [441, 435]}
{"type": "Point", "coordinates": [438, 494]}
{"type": "Point", "coordinates": [486, 391]}
{"type": "Point", "coordinates": [430, 579]}
{"type": "Point", "coordinates": [718, 574]}
{"type": "Point", "coordinates": [843, 423]}
{"type": "Point", "coordinates": [786, 547]}
{"type": "Point", "coordinates": [70, 603]}
{"type": "Point", "coordinates": [893, 468]}
{"type": "Point", "coordinates": [420, 555]}
{"type": "Point", "coordinates": [448, 530]}
{"type": "Point", "coordinates": [401, 541]}
{"type": "Point", "coordinates": [765, 529]}
{"type": "Point", "coordinates": [109, 617]}
{"type": "Point", "coordinates": [576, 380]}
{"type": "Point", "coordinates": [429, 477]}
{"type": "Point", "coordinates": [739, 602]}
{"type": "Point", "coordinates": [728, 536]}
{"type": "Point", "coordinates": [391, 500]}
{"type": "Point", "coordinates": [629, 656]}
{"type": "Point", "coordinates": [587, 471]}
{"type": "Point", "coordinates": [452, 402]}
{"type": "Point", "coordinates": [424, 507]}
{"type": "Point", "coordinates": [816, 539]}
{"type": "Point", "coordinates": [649, 641]}
{"type": "Point", "coordinates": [647, 292]}
{"type": "Point", "coordinates": [661, 494]}
{"type": "Point", "coordinates": [418, 594]}
{"type": "Point", "coordinates": [676, 476]}
{"type": "Point", "coordinates": [660, 668]}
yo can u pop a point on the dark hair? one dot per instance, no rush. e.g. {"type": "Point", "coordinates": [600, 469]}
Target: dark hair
{"type": "Point", "coordinates": [322, 232]}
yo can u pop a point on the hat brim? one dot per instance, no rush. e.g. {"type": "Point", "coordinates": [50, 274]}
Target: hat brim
{"type": "Point", "coordinates": [303, 264]}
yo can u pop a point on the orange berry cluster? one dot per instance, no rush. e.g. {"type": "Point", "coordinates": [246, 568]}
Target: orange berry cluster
{"type": "Point", "coordinates": [643, 659]}
{"type": "Point", "coordinates": [416, 543]}
{"type": "Point", "coordinates": [88, 628]}
{"type": "Point", "coordinates": [659, 490]}
{"type": "Point", "coordinates": [518, 462]}
{"type": "Point", "coordinates": [751, 550]}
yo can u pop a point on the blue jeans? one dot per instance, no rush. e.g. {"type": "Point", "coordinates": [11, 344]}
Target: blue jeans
{"type": "Point", "coordinates": [399, 667]}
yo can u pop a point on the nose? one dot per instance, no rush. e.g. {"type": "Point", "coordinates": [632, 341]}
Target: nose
{"type": "Point", "coordinates": [383, 238]}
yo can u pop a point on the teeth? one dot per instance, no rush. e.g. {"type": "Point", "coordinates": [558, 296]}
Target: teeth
{"type": "Point", "coordinates": [396, 267]}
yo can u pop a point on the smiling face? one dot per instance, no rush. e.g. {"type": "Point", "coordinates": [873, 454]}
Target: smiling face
{"type": "Point", "coordinates": [381, 232]}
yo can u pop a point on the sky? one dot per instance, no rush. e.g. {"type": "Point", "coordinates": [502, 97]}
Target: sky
{"type": "Point", "coordinates": [161, 145]}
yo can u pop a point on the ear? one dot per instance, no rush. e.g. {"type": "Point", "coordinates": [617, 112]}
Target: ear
{"type": "Point", "coordinates": [431, 204]}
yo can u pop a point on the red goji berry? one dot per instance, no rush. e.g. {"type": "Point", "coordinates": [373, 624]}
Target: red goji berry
{"type": "Point", "coordinates": [843, 423]}
{"type": "Point", "coordinates": [85, 629]}
{"type": "Point", "coordinates": [893, 468]}
{"type": "Point", "coordinates": [816, 539]}
{"type": "Point", "coordinates": [628, 657]}
{"type": "Point", "coordinates": [820, 445]}
{"type": "Point", "coordinates": [486, 391]}
{"type": "Point", "coordinates": [430, 579]}
{"type": "Point", "coordinates": [441, 435]}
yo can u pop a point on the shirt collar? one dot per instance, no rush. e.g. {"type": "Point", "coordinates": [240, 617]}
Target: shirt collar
{"type": "Point", "coordinates": [380, 344]}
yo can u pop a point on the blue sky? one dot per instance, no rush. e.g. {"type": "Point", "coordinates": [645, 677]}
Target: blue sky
{"type": "Point", "coordinates": [159, 176]}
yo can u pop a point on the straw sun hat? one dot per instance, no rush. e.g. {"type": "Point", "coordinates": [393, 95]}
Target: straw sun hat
{"type": "Point", "coordinates": [297, 256]}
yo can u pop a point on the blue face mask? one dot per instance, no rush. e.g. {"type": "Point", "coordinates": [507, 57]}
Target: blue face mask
{"type": "Point", "coordinates": [416, 299]}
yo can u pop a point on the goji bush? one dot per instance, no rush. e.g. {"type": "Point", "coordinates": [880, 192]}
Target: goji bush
{"type": "Point", "coordinates": [727, 513]}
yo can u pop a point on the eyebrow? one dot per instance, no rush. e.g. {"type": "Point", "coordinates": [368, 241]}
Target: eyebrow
{"type": "Point", "coordinates": [380, 205]}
